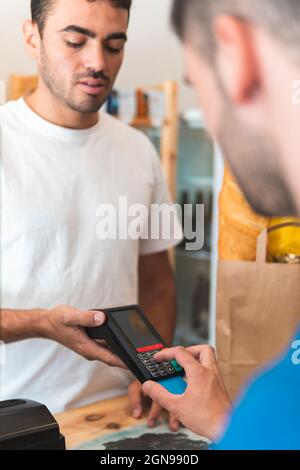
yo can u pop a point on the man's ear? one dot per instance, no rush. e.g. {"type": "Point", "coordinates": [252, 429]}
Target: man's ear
{"type": "Point", "coordinates": [235, 58]}
{"type": "Point", "coordinates": [32, 38]}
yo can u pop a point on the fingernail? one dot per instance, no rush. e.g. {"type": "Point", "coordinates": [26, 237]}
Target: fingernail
{"type": "Point", "coordinates": [136, 413]}
{"type": "Point", "coordinates": [99, 318]}
{"type": "Point", "coordinates": [151, 423]}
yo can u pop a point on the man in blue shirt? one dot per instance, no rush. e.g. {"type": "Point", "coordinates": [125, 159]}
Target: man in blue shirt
{"type": "Point", "coordinates": [243, 59]}
{"type": "Point", "coordinates": [268, 415]}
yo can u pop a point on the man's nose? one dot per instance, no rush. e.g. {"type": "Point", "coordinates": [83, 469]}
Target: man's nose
{"type": "Point", "coordinates": [95, 58]}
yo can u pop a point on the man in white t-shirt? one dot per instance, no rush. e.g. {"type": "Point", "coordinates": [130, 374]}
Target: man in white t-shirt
{"type": "Point", "coordinates": [61, 160]}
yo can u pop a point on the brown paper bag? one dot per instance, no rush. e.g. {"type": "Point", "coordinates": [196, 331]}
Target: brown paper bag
{"type": "Point", "coordinates": [258, 311]}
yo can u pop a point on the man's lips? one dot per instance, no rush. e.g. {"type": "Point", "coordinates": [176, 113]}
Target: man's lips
{"type": "Point", "coordinates": [93, 87]}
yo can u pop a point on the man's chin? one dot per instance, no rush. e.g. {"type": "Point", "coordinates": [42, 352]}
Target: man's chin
{"type": "Point", "coordinates": [262, 209]}
{"type": "Point", "coordinates": [88, 106]}
{"type": "Point", "coordinates": [269, 202]}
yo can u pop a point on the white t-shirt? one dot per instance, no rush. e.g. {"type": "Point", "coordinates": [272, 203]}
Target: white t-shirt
{"type": "Point", "coordinates": [53, 181]}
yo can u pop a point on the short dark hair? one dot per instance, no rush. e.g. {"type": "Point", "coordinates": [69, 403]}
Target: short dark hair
{"type": "Point", "coordinates": [40, 9]}
{"type": "Point", "coordinates": [193, 19]}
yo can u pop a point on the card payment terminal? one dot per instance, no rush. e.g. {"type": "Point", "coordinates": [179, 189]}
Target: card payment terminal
{"type": "Point", "coordinates": [131, 336]}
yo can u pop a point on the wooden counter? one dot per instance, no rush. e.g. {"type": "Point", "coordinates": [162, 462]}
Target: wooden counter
{"type": "Point", "coordinates": [100, 419]}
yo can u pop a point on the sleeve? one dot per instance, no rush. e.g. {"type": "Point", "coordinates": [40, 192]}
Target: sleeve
{"type": "Point", "coordinates": [164, 225]}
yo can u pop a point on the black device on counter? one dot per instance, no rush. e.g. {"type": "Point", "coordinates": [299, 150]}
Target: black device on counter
{"type": "Point", "coordinates": [131, 336]}
{"type": "Point", "coordinates": [28, 425]}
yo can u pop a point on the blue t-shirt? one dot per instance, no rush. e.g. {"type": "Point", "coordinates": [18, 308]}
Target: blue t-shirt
{"type": "Point", "coordinates": [267, 417]}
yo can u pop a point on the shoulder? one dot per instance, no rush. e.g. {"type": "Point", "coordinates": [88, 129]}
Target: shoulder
{"type": "Point", "coordinates": [121, 133]}
{"type": "Point", "coordinates": [9, 107]}
{"type": "Point", "coordinates": [281, 377]}
{"type": "Point", "coordinates": [9, 112]}
{"type": "Point", "coordinates": [268, 406]}
{"type": "Point", "coordinates": [133, 144]}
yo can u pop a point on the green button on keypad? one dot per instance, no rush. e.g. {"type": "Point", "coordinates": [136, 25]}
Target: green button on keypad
{"type": "Point", "coordinates": [176, 365]}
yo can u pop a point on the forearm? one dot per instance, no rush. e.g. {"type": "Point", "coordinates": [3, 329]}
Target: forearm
{"type": "Point", "coordinates": [159, 303]}
{"type": "Point", "coordinates": [63, 324]}
{"type": "Point", "coordinates": [17, 325]}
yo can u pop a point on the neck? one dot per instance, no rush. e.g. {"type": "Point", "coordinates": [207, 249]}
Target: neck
{"type": "Point", "coordinates": [43, 103]}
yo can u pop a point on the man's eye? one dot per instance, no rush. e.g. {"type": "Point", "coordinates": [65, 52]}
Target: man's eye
{"type": "Point", "coordinates": [75, 45]}
{"type": "Point", "coordinates": [113, 50]}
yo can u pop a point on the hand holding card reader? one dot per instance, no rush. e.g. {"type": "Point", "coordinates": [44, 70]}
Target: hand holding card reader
{"type": "Point", "coordinates": [131, 336]}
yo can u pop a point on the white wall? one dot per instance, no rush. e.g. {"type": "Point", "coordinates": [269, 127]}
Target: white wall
{"type": "Point", "coordinates": [153, 52]}
{"type": "Point", "coordinates": [12, 52]}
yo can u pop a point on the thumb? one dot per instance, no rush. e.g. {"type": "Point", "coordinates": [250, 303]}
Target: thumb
{"type": "Point", "coordinates": [87, 318]}
{"type": "Point", "coordinates": [159, 395]}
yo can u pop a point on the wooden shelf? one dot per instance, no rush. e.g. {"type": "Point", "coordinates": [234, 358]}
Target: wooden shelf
{"type": "Point", "coordinates": [168, 131]}
{"type": "Point", "coordinates": [142, 122]}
